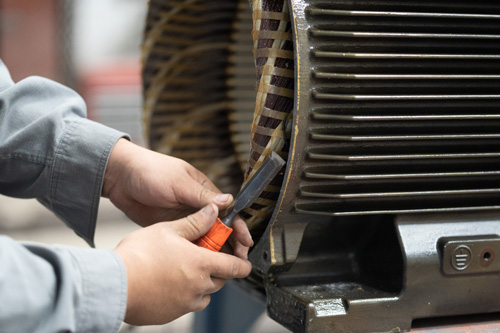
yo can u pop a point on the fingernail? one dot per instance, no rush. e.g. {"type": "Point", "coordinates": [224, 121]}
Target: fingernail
{"type": "Point", "coordinates": [223, 198]}
{"type": "Point", "coordinates": [208, 210]}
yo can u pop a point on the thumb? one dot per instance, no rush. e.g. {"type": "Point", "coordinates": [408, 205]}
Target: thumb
{"type": "Point", "coordinates": [198, 224]}
{"type": "Point", "coordinates": [198, 194]}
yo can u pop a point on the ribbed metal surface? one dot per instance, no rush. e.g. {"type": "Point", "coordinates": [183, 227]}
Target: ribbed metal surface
{"type": "Point", "coordinates": [405, 107]}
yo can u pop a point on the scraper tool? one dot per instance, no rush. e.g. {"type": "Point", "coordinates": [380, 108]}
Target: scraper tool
{"type": "Point", "coordinates": [215, 238]}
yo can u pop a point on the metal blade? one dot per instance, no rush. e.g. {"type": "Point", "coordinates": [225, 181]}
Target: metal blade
{"type": "Point", "coordinates": [254, 187]}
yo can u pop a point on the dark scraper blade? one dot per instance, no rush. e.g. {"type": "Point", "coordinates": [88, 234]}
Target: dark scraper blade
{"type": "Point", "coordinates": [254, 187]}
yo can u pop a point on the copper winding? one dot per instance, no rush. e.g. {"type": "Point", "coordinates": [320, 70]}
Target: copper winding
{"type": "Point", "coordinates": [228, 124]}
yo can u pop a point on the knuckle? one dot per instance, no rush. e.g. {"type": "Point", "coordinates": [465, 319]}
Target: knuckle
{"type": "Point", "coordinates": [202, 303]}
{"type": "Point", "coordinates": [204, 194]}
{"type": "Point", "coordinates": [235, 269]}
{"type": "Point", "coordinates": [194, 223]}
{"type": "Point", "coordinates": [218, 283]}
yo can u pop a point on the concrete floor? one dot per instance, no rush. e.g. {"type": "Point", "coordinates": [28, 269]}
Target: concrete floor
{"type": "Point", "coordinates": [29, 220]}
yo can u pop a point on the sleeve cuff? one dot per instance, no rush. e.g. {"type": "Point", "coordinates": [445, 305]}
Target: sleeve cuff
{"type": "Point", "coordinates": [104, 290]}
{"type": "Point", "coordinates": [78, 173]}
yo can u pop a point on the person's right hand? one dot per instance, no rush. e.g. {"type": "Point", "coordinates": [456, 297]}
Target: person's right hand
{"type": "Point", "coordinates": [168, 275]}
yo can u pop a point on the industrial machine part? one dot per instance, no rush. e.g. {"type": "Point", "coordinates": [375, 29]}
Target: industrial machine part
{"type": "Point", "coordinates": [389, 209]}
{"type": "Point", "coordinates": [186, 52]}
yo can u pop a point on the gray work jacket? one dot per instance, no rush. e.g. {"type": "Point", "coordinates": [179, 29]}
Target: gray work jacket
{"type": "Point", "coordinates": [51, 152]}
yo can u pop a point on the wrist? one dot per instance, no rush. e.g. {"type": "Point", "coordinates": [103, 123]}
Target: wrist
{"type": "Point", "coordinates": [117, 162]}
{"type": "Point", "coordinates": [131, 299]}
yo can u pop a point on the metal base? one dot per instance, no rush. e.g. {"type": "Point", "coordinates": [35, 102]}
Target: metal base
{"type": "Point", "coordinates": [398, 269]}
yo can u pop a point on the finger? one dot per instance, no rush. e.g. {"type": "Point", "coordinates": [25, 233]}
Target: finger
{"type": "Point", "coordinates": [235, 248]}
{"type": "Point", "coordinates": [202, 179]}
{"type": "Point", "coordinates": [213, 194]}
{"type": "Point", "coordinates": [205, 182]}
{"type": "Point", "coordinates": [194, 194]}
{"type": "Point", "coordinates": [241, 232]}
{"type": "Point", "coordinates": [227, 266]}
{"type": "Point", "coordinates": [218, 284]}
{"type": "Point", "coordinates": [140, 214]}
{"type": "Point", "coordinates": [239, 250]}
{"type": "Point", "coordinates": [196, 225]}
{"type": "Point", "coordinates": [202, 303]}
{"type": "Point", "coordinates": [172, 214]}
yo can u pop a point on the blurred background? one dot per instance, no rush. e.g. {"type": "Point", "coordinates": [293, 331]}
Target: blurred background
{"type": "Point", "coordinates": [92, 46]}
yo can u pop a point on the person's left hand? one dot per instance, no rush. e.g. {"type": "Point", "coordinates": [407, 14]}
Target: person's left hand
{"type": "Point", "coordinates": [150, 187]}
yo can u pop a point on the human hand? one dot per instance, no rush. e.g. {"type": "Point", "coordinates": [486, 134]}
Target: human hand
{"type": "Point", "coordinates": [168, 275]}
{"type": "Point", "coordinates": [150, 187]}
{"type": "Point", "coordinates": [240, 241]}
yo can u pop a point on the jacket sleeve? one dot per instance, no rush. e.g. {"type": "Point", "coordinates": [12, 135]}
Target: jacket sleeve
{"type": "Point", "coordinates": [50, 151]}
{"type": "Point", "coordinates": [60, 289]}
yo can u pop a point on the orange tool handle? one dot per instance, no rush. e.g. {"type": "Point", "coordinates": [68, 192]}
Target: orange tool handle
{"type": "Point", "coordinates": [215, 237]}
